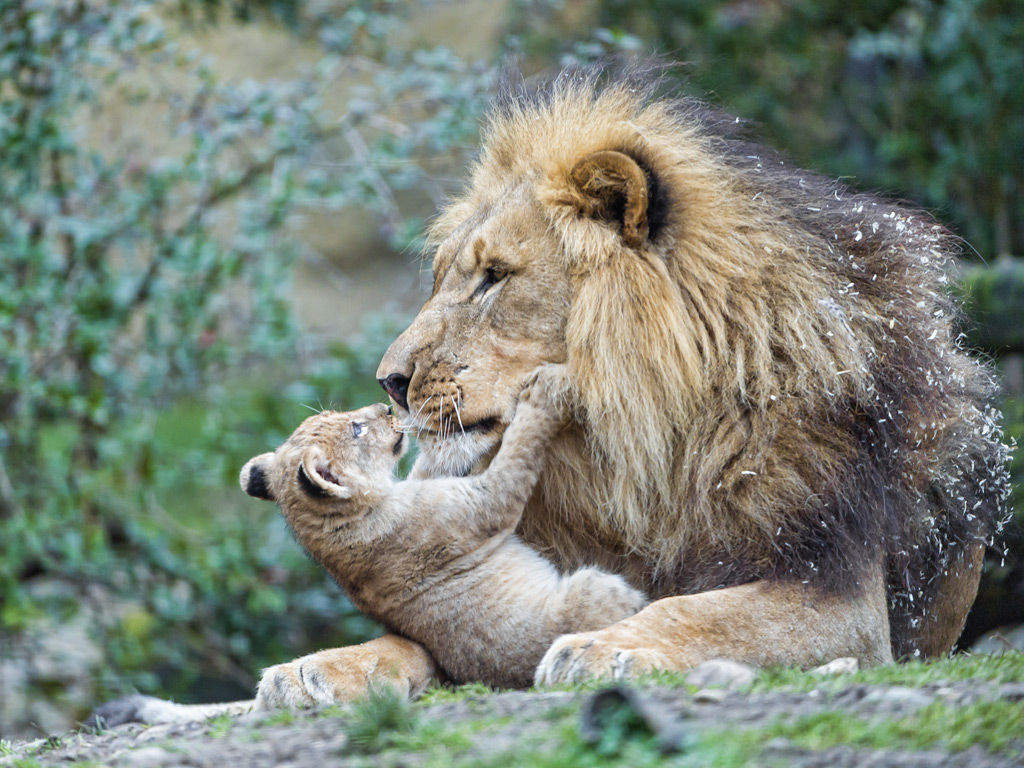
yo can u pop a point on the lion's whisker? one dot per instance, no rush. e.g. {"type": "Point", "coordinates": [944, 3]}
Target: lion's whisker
{"type": "Point", "coordinates": [422, 406]}
{"type": "Point", "coordinates": [455, 405]}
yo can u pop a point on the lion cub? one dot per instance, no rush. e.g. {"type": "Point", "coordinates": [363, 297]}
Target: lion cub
{"type": "Point", "coordinates": [437, 560]}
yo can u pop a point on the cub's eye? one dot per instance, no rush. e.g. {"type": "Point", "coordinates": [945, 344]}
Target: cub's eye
{"type": "Point", "coordinates": [493, 275]}
{"type": "Point", "coordinates": [358, 428]}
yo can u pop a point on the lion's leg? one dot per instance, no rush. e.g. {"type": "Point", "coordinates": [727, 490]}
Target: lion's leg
{"type": "Point", "coordinates": [762, 624]}
{"type": "Point", "coordinates": [344, 674]}
{"type": "Point", "coordinates": [948, 601]}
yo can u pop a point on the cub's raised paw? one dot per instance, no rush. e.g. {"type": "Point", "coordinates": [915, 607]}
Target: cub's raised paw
{"type": "Point", "coordinates": [581, 657]}
{"type": "Point", "coordinates": [548, 387]}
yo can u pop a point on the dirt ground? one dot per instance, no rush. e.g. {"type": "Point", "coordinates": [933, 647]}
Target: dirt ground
{"type": "Point", "coordinates": [676, 725]}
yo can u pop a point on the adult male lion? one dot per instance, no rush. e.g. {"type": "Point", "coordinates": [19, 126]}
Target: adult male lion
{"type": "Point", "coordinates": [777, 432]}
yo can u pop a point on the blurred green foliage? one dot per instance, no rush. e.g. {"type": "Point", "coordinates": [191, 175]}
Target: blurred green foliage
{"type": "Point", "coordinates": [994, 298]}
{"type": "Point", "coordinates": [139, 295]}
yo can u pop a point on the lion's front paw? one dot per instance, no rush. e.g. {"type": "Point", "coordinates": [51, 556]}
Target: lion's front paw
{"type": "Point", "coordinates": [293, 685]}
{"type": "Point", "coordinates": [576, 658]}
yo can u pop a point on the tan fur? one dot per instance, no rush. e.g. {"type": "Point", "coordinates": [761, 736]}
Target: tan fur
{"type": "Point", "coordinates": [947, 610]}
{"type": "Point", "coordinates": [346, 674]}
{"type": "Point", "coordinates": [761, 624]}
{"type": "Point", "coordinates": [435, 559]}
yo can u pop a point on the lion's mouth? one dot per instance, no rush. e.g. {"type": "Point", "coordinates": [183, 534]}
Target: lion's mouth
{"type": "Point", "coordinates": [480, 426]}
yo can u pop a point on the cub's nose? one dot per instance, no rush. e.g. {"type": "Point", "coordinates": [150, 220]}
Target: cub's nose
{"type": "Point", "coordinates": [397, 386]}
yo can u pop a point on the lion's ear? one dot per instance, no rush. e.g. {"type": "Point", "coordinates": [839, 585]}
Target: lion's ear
{"type": "Point", "coordinates": [613, 187]}
{"type": "Point", "coordinates": [255, 476]}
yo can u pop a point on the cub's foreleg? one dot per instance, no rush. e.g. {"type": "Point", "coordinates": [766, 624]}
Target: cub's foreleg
{"type": "Point", "coordinates": [493, 501]}
{"type": "Point", "coordinates": [506, 485]}
{"type": "Point", "coordinates": [592, 599]}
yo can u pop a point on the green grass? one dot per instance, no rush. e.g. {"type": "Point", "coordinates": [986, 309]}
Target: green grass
{"type": "Point", "coordinates": [560, 745]}
{"type": "Point", "coordinates": [280, 717]}
{"type": "Point", "coordinates": [445, 694]}
{"type": "Point", "coordinates": [51, 743]}
{"type": "Point", "coordinates": [1001, 668]}
{"type": "Point", "coordinates": [658, 678]}
{"type": "Point", "coordinates": [6, 747]}
{"type": "Point", "coordinates": [390, 728]}
{"type": "Point", "coordinates": [219, 726]}
{"type": "Point", "coordinates": [997, 726]}
{"type": "Point", "coordinates": [379, 720]}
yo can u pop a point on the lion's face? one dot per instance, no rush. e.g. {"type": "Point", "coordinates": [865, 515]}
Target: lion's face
{"type": "Point", "coordinates": [498, 310]}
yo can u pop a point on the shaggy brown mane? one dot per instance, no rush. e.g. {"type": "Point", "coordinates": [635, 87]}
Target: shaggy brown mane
{"type": "Point", "coordinates": [780, 362]}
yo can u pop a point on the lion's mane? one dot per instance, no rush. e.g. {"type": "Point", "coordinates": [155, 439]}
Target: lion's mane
{"type": "Point", "coordinates": [774, 383]}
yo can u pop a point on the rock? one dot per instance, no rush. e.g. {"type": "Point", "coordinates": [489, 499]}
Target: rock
{"type": "Point", "coordinates": [48, 671]}
{"type": "Point", "coordinates": [898, 697]}
{"type": "Point", "coordinates": [843, 666]}
{"type": "Point", "coordinates": [153, 733]}
{"type": "Point", "coordinates": [709, 695]}
{"type": "Point", "coordinates": [148, 757]}
{"type": "Point", "coordinates": [1012, 691]}
{"type": "Point", "coordinates": [619, 707]}
{"type": "Point", "coordinates": [1001, 640]}
{"type": "Point", "coordinates": [721, 673]}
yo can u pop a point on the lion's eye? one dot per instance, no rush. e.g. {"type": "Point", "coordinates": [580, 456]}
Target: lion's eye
{"type": "Point", "coordinates": [492, 276]}
{"type": "Point", "coordinates": [358, 428]}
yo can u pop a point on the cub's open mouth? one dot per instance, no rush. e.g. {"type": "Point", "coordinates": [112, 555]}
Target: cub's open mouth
{"type": "Point", "coordinates": [398, 443]}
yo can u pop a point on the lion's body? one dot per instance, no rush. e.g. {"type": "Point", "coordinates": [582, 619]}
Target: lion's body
{"type": "Point", "coordinates": [437, 559]}
{"type": "Point", "coordinates": [771, 385]}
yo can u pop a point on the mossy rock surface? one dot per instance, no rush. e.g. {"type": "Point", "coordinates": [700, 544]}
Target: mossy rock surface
{"type": "Point", "coordinates": [966, 711]}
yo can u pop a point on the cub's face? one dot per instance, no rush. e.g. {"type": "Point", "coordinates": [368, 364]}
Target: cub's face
{"type": "Point", "coordinates": [331, 457]}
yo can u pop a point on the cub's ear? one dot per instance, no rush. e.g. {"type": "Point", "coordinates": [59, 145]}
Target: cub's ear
{"type": "Point", "coordinates": [255, 476]}
{"type": "Point", "coordinates": [613, 187]}
{"type": "Point", "coordinates": [318, 480]}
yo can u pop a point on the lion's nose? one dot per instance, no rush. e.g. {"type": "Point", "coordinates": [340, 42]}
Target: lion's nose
{"type": "Point", "coordinates": [397, 386]}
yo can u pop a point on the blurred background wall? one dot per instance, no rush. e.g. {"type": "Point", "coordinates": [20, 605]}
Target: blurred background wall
{"type": "Point", "coordinates": [210, 215]}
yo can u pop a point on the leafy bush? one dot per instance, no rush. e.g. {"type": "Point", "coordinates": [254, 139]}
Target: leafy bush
{"type": "Point", "coordinates": [139, 294]}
